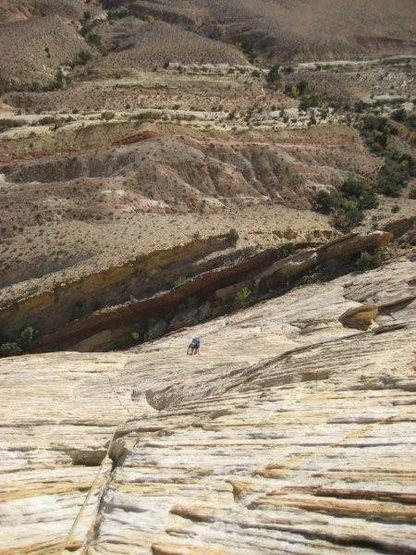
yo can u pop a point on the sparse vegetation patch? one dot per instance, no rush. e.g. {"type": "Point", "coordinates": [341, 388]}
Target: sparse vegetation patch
{"type": "Point", "coordinates": [369, 261]}
{"type": "Point", "coordinates": [347, 204]}
{"type": "Point", "coordinates": [399, 166]}
{"type": "Point", "coordinates": [20, 345]}
{"type": "Point", "coordinates": [243, 296]}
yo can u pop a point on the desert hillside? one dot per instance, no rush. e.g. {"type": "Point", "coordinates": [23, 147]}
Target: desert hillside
{"type": "Point", "coordinates": [295, 30]}
{"type": "Point", "coordinates": [154, 154]}
{"type": "Point", "coordinates": [24, 10]}
{"type": "Point", "coordinates": [38, 37]}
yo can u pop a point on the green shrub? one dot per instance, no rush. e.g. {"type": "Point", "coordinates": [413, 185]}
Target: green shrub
{"type": "Point", "coordinates": [6, 124]}
{"type": "Point", "coordinates": [360, 106]}
{"type": "Point", "coordinates": [392, 179]}
{"type": "Point", "coordinates": [233, 236]}
{"type": "Point", "coordinates": [129, 340]}
{"type": "Point", "coordinates": [273, 77]}
{"type": "Point", "coordinates": [82, 58]}
{"type": "Point", "coordinates": [311, 101]}
{"type": "Point", "coordinates": [243, 296]}
{"type": "Point", "coordinates": [403, 159]}
{"type": "Point", "coordinates": [368, 200]}
{"type": "Point", "coordinates": [326, 201]}
{"type": "Point", "coordinates": [376, 131]}
{"type": "Point", "coordinates": [375, 123]}
{"type": "Point", "coordinates": [355, 189]}
{"type": "Point", "coordinates": [48, 120]}
{"type": "Point", "coordinates": [369, 261]}
{"type": "Point", "coordinates": [179, 281]}
{"type": "Point", "coordinates": [287, 250]}
{"type": "Point", "coordinates": [11, 349]}
{"type": "Point", "coordinates": [33, 87]}
{"type": "Point", "coordinates": [292, 90]}
{"type": "Point", "coordinates": [376, 148]}
{"type": "Point", "coordinates": [412, 193]}
{"type": "Point", "coordinates": [59, 81]}
{"type": "Point", "coordinates": [411, 120]}
{"type": "Point", "coordinates": [135, 336]}
{"type": "Point", "coordinates": [302, 86]}
{"type": "Point", "coordinates": [348, 215]}
{"type": "Point", "coordinates": [26, 337]}
{"type": "Point", "coordinates": [399, 115]}
{"type": "Point", "coordinates": [398, 165]}
{"type": "Point", "coordinates": [107, 115]}
{"type": "Point", "coordinates": [17, 347]}
{"type": "Point", "coordinates": [94, 39]}
{"type": "Point", "coordinates": [116, 13]}
{"type": "Point", "coordinates": [87, 31]}
{"type": "Point", "coordinates": [145, 116]}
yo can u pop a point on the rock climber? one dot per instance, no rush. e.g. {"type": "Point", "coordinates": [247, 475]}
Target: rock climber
{"type": "Point", "coordinates": [194, 346]}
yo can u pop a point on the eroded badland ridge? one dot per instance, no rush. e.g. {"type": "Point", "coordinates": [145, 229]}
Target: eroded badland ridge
{"type": "Point", "coordinates": [242, 171]}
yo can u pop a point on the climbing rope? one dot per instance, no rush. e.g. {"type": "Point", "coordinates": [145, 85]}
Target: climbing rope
{"type": "Point", "coordinates": [87, 497]}
{"type": "Point", "coordinates": [70, 534]}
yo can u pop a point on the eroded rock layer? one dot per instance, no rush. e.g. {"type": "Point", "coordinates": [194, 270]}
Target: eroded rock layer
{"type": "Point", "coordinates": [292, 432]}
{"type": "Point", "coordinates": [151, 293]}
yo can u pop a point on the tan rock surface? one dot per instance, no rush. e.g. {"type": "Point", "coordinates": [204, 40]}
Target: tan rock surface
{"type": "Point", "coordinates": [290, 433]}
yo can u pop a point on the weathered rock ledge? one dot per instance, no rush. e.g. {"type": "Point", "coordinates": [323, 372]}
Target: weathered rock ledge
{"type": "Point", "coordinates": [290, 433]}
{"type": "Point", "coordinates": [172, 289]}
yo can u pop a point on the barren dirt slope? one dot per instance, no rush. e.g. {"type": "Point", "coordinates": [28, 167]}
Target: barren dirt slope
{"type": "Point", "coordinates": [296, 29]}
{"type": "Point", "coordinates": [160, 43]}
{"type": "Point", "coordinates": [22, 10]}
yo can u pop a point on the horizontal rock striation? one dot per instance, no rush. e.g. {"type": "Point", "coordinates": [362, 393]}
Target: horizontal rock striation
{"type": "Point", "coordinates": [186, 171]}
{"type": "Point", "coordinates": [212, 292]}
{"type": "Point", "coordinates": [289, 433]}
{"type": "Point", "coordinates": [170, 289]}
{"type": "Point", "coordinates": [144, 276]}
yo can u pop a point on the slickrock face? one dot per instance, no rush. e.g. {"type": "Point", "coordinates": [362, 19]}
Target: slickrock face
{"type": "Point", "coordinates": [291, 432]}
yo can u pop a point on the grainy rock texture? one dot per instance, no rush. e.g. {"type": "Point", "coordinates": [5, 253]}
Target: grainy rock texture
{"type": "Point", "coordinates": [289, 433]}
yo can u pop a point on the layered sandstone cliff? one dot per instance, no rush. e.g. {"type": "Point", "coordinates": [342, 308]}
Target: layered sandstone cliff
{"type": "Point", "coordinates": [292, 432]}
{"type": "Point", "coordinates": [170, 289]}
